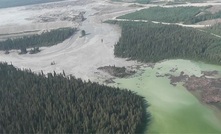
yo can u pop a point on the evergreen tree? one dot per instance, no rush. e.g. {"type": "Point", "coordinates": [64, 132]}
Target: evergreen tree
{"type": "Point", "coordinates": [148, 42]}
{"type": "Point", "coordinates": [45, 39]}
{"type": "Point", "coordinates": [35, 103]}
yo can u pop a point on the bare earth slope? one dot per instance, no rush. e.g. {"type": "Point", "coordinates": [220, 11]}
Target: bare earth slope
{"type": "Point", "coordinates": [79, 56]}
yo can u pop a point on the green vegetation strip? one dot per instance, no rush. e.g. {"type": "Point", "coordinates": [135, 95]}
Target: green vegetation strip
{"type": "Point", "coordinates": [45, 39]}
{"type": "Point", "coordinates": [148, 42]}
{"type": "Point", "coordinates": [134, 1]}
{"type": "Point", "coordinates": [215, 29]}
{"type": "Point", "coordinates": [191, 1]}
{"type": "Point", "coordinates": [187, 15]}
{"type": "Point", "coordinates": [32, 103]}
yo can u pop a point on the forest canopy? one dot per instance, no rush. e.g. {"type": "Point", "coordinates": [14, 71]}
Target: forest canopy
{"type": "Point", "coordinates": [186, 15]}
{"type": "Point", "coordinates": [35, 103]}
{"type": "Point", "coordinates": [50, 38]}
{"type": "Point", "coordinates": [134, 1]}
{"type": "Point", "coordinates": [193, 1]}
{"type": "Point", "coordinates": [215, 29]}
{"type": "Point", "coordinates": [149, 42]}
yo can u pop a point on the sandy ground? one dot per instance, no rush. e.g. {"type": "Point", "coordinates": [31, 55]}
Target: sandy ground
{"type": "Point", "coordinates": [17, 21]}
{"type": "Point", "coordinates": [79, 56]}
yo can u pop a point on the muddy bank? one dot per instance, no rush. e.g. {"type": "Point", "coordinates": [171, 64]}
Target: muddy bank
{"type": "Point", "coordinates": [119, 72]}
{"type": "Point", "coordinates": [208, 87]}
{"type": "Point", "coordinates": [173, 108]}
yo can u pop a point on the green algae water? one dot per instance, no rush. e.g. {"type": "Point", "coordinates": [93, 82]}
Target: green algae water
{"type": "Point", "coordinates": [174, 109]}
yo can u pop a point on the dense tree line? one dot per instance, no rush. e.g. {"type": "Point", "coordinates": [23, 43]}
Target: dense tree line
{"type": "Point", "coordinates": [35, 103]}
{"type": "Point", "coordinates": [150, 42]}
{"type": "Point", "coordinates": [50, 38]}
{"type": "Point", "coordinates": [143, 1]}
{"type": "Point", "coordinates": [215, 29]}
{"type": "Point", "coordinates": [193, 1]}
{"type": "Point", "coordinates": [206, 16]}
{"type": "Point", "coordinates": [186, 15]}
{"type": "Point", "coordinates": [177, 2]}
{"type": "Point", "coordinates": [171, 15]}
{"type": "Point", "coordinates": [135, 1]}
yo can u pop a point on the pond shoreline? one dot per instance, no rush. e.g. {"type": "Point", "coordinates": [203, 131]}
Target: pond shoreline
{"type": "Point", "coordinates": [174, 106]}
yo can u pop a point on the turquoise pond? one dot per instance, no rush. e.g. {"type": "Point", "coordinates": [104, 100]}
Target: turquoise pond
{"type": "Point", "coordinates": [174, 109]}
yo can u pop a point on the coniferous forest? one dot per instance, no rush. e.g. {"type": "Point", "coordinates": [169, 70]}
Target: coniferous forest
{"type": "Point", "coordinates": [150, 42]}
{"type": "Point", "coordinates": [215, 29]}
{"type": "Point", "coordinates": [186, 15]}
{"type": "Point", "coordinates": [135, 1]}
{"type": "Point", "coordinates": [50, 38]}
{"type": "Point", "coordinates": [35, 103]}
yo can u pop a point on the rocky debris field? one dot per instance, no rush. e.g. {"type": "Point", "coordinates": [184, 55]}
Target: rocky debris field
{"type": "Point", "coordinates": [117, 71]}
{"type": "Point", "coordinates": [208, 86]}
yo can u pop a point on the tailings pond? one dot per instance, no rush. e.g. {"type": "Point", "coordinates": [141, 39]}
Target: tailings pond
{"type": "Point", "coordinates": [173, 108]}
